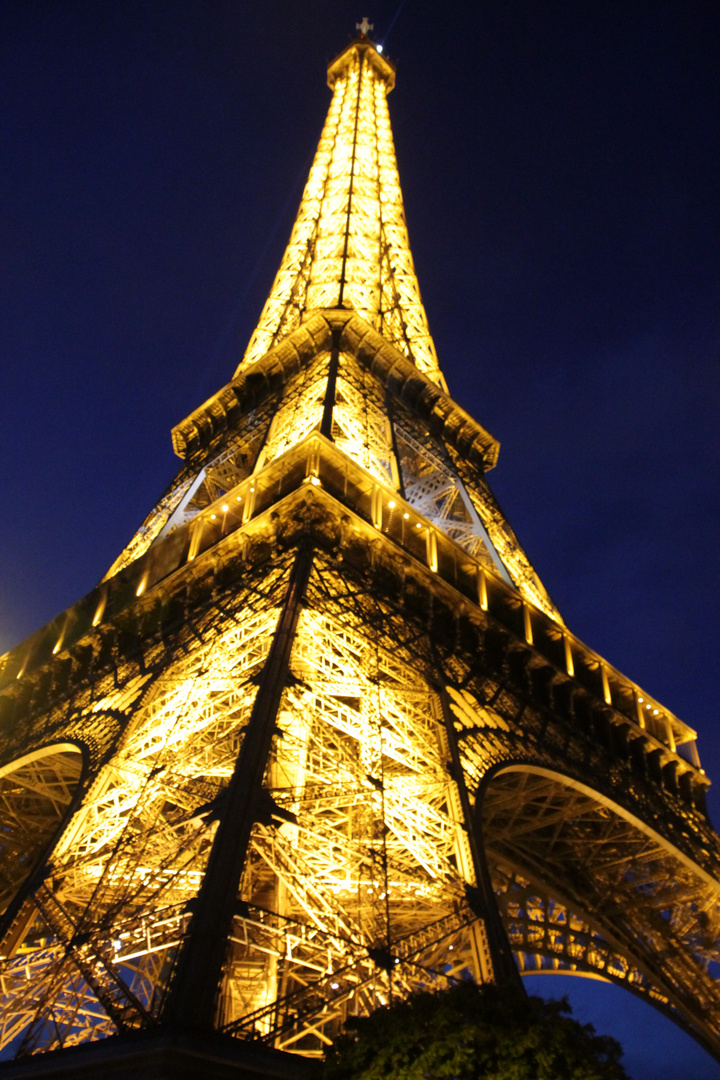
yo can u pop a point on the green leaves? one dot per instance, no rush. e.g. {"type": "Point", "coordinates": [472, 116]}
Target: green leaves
{"type": "Point", "coordinates": [471, 1033]}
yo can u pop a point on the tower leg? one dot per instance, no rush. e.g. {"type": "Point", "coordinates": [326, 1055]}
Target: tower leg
{"type": "Point", "coordinates": [480, 950]}
{"type": "Point", "coordinates": [491, 949]}
{"type": "Point", "coordinates": [193, 994]}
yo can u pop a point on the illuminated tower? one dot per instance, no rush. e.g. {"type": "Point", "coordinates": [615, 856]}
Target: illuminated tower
{"type": "Point", "coordinates": [320, 736]}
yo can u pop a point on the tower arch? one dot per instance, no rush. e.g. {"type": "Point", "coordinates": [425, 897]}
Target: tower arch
{"type": "Point", "coordinates": [37, 792]}
{"type": "Point", "coordinates": [584, 886]}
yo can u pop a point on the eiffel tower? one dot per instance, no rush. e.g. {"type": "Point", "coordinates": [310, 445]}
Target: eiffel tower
{"type": "Point", "coordinates": [320, 737]}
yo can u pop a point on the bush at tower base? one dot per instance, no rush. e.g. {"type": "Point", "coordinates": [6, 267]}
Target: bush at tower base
{"type": "Point", "coordinates": [471, 1033]}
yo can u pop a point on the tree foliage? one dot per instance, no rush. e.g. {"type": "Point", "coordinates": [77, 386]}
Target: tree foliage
{"type": "Point", "coordinates": [471, 1033]}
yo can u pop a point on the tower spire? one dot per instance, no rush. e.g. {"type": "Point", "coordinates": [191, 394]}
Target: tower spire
{"type": "Point", "coordinates": [349, 246]}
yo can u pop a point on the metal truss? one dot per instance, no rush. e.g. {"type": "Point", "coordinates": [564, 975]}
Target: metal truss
{"type": "Point", "coordinates": [436, 491]}
{"type": "Point", "coordinates": [300, 409]}
{"type": "Point", "coordinates": [196, 488]}
{"type": "Point", "coordinates": [459, 502]}
{"type": "Point", "coordinates": [356, 872]}
{"type": "Point", "coordinates": [549, 937]}
{"type": "Point", "coordinates": [516, 563]}
{"type": "Point", "coordinates": [361, 427]}
{"type": "Point", "coordinates": [585, 885]}
{"type": "Point", "coordinates": [369, 426]}
{"type": "Point", "coordinates": [349, 245]}
{"type": "Point", "coordinates": [320, 738]}
{"type": "Point", "coordinates": [92, 948]}
{"type": "Point", "coordinates": [354, 882]}
{"type": "Point", "coordinates": [356, 875]}
{"type": "Point", "coordinates": [34, 797]}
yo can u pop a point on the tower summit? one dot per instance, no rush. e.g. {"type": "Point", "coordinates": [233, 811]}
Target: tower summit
{"type": "Point", "coordinates": [349, 246]}
{"type": "Point", "coordinates": [320, 737]}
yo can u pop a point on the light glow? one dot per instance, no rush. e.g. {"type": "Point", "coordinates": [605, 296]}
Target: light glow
{"type": "Point", "coordinates": [378, 280]}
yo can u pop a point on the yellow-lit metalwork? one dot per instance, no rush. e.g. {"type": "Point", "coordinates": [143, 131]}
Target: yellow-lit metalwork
{"type": "Point", "coordinates": [538, 819]}
{"type": "Point", "coordinates": [365, 848]}
{"type": "Point", "coordinates": [349, 246]}
{"type": "Point", "coordinates": [387, 440]}
{"type": "Point", "coordinates": [320, 737]}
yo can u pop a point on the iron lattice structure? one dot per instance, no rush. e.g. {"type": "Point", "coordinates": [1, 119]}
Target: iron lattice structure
{"type": "Point", "coordinates": [320, 737]}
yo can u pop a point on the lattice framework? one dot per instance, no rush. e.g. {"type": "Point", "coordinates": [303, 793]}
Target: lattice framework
{"type": "Point", "coordinates": [320, 736]}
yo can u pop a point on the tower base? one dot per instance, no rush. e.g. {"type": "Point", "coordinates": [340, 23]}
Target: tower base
{"type": "Point", "coordinates": [163, 1055]}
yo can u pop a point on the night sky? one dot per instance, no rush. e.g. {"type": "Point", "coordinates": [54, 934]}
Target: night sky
{"type": "Point", "coordinates": [560, 169]}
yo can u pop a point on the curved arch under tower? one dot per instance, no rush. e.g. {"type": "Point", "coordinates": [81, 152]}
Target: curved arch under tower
{"type": "Point", "coordinates": [585, 886]}
{"type": "Point", "coordinates": [36, 792]}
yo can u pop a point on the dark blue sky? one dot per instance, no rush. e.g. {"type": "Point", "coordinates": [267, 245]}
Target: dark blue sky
{"type": "Point", "coordinates": [560, 168]}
